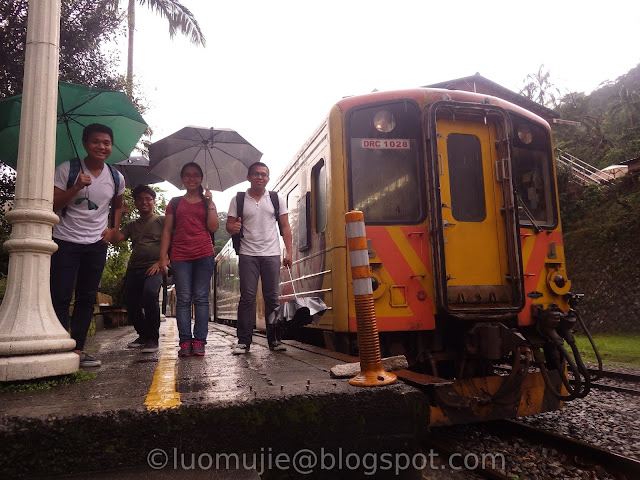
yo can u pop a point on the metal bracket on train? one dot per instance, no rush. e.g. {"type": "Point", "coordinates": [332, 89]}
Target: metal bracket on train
{"type": "Point", "coordinates": [493, 341]}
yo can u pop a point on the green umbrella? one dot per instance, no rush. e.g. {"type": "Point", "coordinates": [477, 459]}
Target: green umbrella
{"type": "Point", "coordinates": [78, 106]}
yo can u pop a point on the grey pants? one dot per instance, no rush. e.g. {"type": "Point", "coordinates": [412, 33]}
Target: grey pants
{"type": "Point", "coordinates": [268, 270]}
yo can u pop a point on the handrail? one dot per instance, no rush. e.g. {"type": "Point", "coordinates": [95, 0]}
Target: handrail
{"type": "Point", "coordinates": [585, 172]}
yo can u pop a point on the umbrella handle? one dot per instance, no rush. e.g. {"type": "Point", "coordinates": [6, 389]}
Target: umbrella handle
{"type": "Point", "coordinates": [293, 288]}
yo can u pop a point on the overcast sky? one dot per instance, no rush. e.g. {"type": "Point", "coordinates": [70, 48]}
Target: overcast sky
{"type": "Point", "coordinates": [272, 70]}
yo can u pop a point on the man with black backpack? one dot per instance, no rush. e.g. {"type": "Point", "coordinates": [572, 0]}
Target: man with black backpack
{"type": "Point", "coordinates": [83, 191]}
{"type": "Point", "coordinates": [253, 220]}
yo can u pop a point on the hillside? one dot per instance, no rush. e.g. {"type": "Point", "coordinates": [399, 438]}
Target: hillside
{"type": "Point", "coordinates": [602, 246]}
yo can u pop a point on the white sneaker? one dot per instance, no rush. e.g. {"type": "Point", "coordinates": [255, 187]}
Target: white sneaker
{"type": "Point", "coordinates": [277, 346]}
{"type": "Point", "coordinates": [240, 349]}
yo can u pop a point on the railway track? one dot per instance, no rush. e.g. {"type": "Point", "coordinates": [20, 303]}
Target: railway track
{"type": "Point", "coordinates": [583, 453]}
{"type": "Point", "coordinates": [602, 379]}
{"type": "Point", "coordinates": [606, 375]}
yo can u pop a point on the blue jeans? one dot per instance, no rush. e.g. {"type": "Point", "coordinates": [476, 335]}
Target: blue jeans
{"type": "Point", "coordinates": [142, 291]}
{"type": "Point", "coordinates": [82, 264]}
{"type": "Point", "coordinates": [268, 270]}
{"type": "Point", "coordinates": [193, 281]}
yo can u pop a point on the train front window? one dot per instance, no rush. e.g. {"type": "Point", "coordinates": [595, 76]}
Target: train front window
{"type": "Point", "coordinates": [533, 173]}
{"type": "Point", "coordinates": [386, 179]}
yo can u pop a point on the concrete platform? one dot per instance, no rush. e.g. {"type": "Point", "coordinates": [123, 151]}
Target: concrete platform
{"type": "Point", "coordinates": [247, 416]}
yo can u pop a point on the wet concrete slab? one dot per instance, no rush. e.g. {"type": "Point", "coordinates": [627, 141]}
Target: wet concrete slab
{"type": "Point", "coordinates": [262, 403]}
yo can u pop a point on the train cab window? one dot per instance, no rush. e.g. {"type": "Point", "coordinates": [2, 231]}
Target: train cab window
{"type": "Point", "coordinates": [466, 180]}
{"type": "Point", "coordinates": [319, 179]}
{"type": "Point", "coordinates": [386, 180]}
{"type": "Point", "coordinates": [533, 173]}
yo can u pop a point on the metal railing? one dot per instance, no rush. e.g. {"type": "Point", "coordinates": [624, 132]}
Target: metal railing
{"type": "Point", "coordinates": [583, 172]}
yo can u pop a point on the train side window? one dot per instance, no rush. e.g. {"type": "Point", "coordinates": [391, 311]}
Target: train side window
{"type": "Point", "coordinates": [466, 180]}
{"type": "Point", "coordinates": [304, 222]}
{"type": "Point", "coordinates": [319, 176]}
{"type": "Point", "coordinates": [292, 205]}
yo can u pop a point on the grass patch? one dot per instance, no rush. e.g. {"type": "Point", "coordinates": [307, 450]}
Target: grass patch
{"type": "Point", "coordinates": [46, 383]}
{"type": "Point", "coordinates": [614, 349]}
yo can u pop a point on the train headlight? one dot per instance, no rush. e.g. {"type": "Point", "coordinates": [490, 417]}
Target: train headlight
{"type": "Point", "coordinates": [377, 285]}
{"type": "Point", "coordinates": [524, 134]}
{"type": "Point", "coordinates": [558, 281]}
{"type": "Point", "coordinates": [384, 121]}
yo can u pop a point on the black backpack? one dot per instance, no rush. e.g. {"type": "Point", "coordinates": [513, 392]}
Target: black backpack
{"type": "Point", "coordinates": [174, 202]}
{"type": "Point", "coordinates": [240, 205]}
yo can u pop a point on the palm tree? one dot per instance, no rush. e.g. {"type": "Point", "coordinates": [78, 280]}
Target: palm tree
{"type": "Point", "coordinates": [179, 18]}
{"type": "Point", "coordinates": [538, 87]}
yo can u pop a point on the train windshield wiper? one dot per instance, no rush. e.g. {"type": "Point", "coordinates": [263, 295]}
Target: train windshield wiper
{"type": "Point", "coordinates": [529, 215]}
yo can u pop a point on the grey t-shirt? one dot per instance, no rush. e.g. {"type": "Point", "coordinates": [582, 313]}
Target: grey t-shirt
{"type": "Point", "coordinates": [145, 235]}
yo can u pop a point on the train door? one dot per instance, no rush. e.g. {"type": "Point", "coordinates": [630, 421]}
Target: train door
{"type": "Point", "coordinates": [477, 235]}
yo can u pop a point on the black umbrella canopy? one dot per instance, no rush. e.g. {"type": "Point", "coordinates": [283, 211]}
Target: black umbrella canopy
{"type": "Point", "coordinates": [223, 154]}
{"type": "Point", "coordinates": [136, 172]}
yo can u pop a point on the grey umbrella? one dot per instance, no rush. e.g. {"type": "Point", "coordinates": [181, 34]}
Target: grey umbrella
{"type": "Point", "coordinates": [223, 154]}
{"type": "Point", "coordinates": [297, 312]}
{"type": "Point", "coordinates": [136, 172]}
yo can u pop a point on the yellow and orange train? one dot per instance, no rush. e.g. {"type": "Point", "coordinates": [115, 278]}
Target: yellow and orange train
{"type": "Point", "coordinates": [465, 245]}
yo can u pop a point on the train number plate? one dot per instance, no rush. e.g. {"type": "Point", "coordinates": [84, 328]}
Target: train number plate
{"type": "Point", "coordinates": [386, 144]}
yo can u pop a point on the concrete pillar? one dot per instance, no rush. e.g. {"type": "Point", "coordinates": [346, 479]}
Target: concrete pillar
{"type": "Point", "coordinates": [33, 343]}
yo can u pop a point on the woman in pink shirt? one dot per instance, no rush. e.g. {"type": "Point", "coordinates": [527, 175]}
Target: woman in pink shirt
{"type": "Point", "coordinates": [187, 248]}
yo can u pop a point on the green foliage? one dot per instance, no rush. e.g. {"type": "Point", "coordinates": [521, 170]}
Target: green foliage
{"type": "Point", "coordinates": [222, 236]}
{"type": "Point", "coordinates": [613, 349]}
{"type": "Point", "coordinates": [610, 122]}
{"type": "Point", "coordinates": [46, 383]}
{"type": "Point", "coordinates": [112, 282]}
{"type": "Point", "coordinates": [86, 27]}
{"type": "Point", "coordinates": [600, 232]}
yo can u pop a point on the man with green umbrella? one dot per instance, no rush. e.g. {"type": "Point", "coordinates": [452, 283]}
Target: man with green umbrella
{"type": "Point", "coordinates": [83, 191]}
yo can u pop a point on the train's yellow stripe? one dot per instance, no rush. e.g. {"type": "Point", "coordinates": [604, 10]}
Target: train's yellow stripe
{"type": "Point", "coordinates": [162, 393]}
{"type": "Point", "coordinates": [527, 249]}
{"type": "Point", "coordinates": [411, 256]}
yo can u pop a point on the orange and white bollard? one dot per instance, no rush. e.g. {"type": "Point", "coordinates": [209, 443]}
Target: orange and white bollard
{"type": "Point", "coordinates": [371, 371]}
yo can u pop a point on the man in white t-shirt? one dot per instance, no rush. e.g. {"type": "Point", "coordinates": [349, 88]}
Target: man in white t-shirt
{"type": "Point", "coordinates": [82, 235]}
{"type": "Point", "coordinates": [259, 256]}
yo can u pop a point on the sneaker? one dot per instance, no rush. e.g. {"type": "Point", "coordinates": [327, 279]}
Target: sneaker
{"type": "Point", "coordinates": [87, 361]}
{"type": "Point", "coordinates": [197, 348]}
{"type": "Point", "coordinates": [277, 346]}
{"type": "Point", "coordinates": [150, 346]}
{"type": "Point", "coordinates": [137, 343]}
{"type": "Point", "coordinates": [185, 349]}
{"type": "Point", "coordinates": [240, 348]}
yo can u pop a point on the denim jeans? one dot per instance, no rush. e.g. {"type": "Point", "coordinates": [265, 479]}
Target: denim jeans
{"type": "Point", "coordinates": [142, 291]}
{"type": "Point", "coordinates": [82, 264]}
{"type": "Point", "coordinates": [268, 270]}
{"type": "Point", "coordinates": [193, 281]}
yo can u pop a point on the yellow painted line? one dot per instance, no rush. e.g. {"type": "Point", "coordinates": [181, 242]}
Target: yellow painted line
{"type": "Point", "coordinates": [162, 393]}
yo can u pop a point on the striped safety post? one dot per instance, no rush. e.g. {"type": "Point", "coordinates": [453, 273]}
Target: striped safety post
{"type": "Point", "coordinates": [371, 371]}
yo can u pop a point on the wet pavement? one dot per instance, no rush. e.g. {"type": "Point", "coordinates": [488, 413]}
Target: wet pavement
{"type": "Point", "coordinates": [219, 416]}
